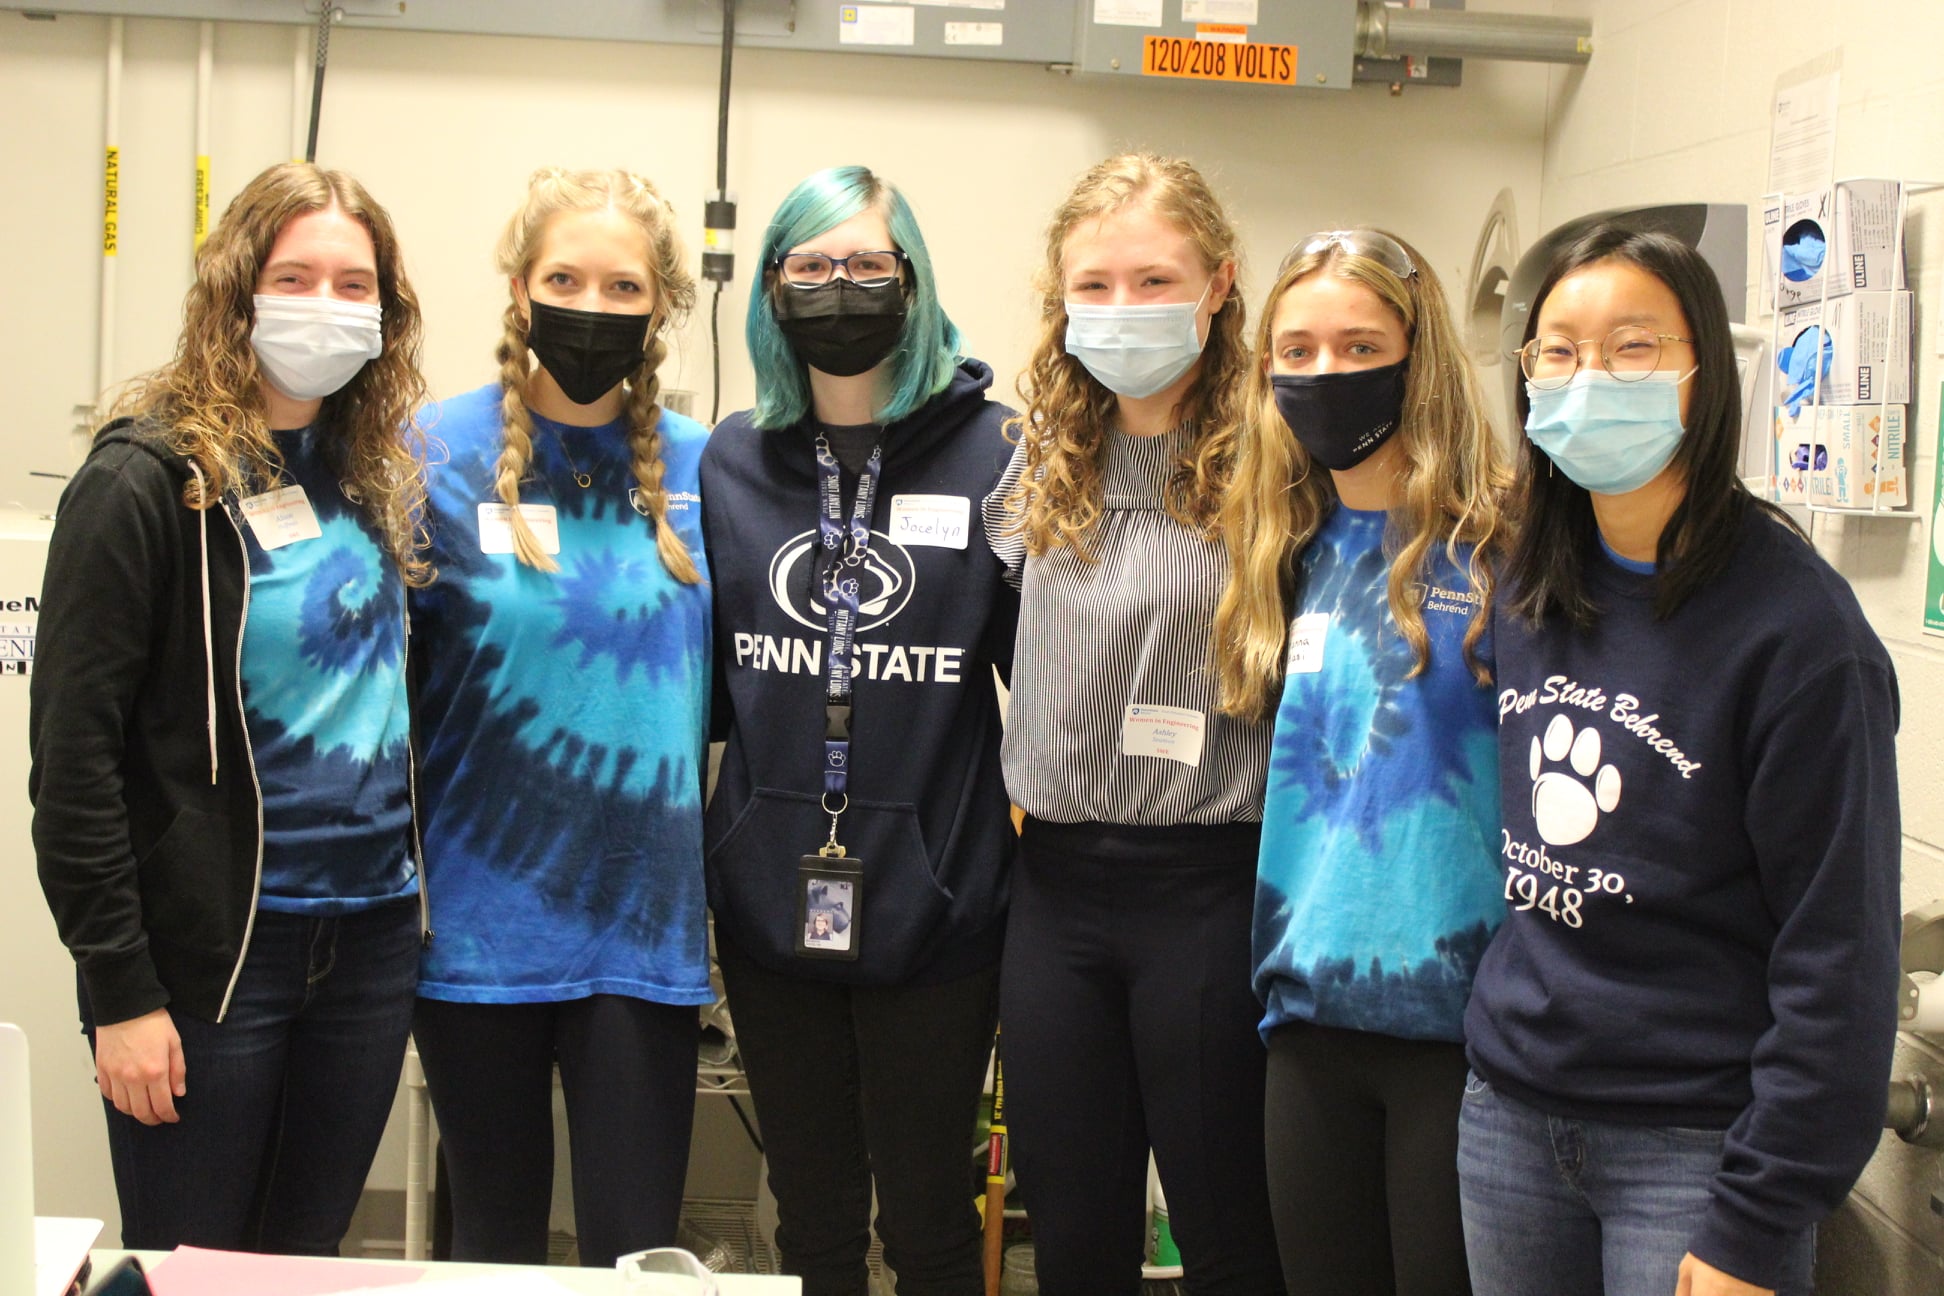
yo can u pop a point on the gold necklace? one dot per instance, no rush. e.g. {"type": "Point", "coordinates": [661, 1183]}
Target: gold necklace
{"type": "Point", "coordinates": [581, 479]}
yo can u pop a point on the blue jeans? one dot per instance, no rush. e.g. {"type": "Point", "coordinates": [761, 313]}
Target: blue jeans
{"type": "Point", "coordinates": [287, 1097]}
{"type": "Point", "coordinates": [1558, 1207]}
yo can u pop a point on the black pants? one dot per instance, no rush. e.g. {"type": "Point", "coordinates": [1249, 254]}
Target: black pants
{"type": "Point", "coordinates": [627, 1069]}
{"type": "Point", "coordinates": [855, 1084]}
{"type": "Point", "coordinates": [1362, 1132]}
{"type": "Point", "coordinates": [1129, 1023]}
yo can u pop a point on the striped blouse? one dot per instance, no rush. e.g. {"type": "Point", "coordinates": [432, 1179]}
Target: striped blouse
{"type": "Point", "coordinates": [1112, 718]}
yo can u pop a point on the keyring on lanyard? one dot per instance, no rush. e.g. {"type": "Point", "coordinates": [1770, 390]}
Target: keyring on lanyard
{"type": "Point", "coordinates": [831, 847]}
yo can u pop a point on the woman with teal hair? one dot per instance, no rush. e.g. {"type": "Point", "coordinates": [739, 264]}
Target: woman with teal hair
{"type": "Point", "coordinates": [859, 615]}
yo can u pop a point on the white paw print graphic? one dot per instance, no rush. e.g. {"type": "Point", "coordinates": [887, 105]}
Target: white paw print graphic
{"type": "Point", "coordinates": [1565, 808]}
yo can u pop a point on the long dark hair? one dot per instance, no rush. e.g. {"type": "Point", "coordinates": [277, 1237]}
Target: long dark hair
{"type": "Point", "coordinates": [1557, 534]}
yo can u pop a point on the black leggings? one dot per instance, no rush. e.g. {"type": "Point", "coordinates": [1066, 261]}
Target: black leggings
{"type": "Point", "coordinates": [1126, 1021]}
{"type": "Point", "coordinates": [1362, 1132]}
{"type": "Point", "coordinates": [627, 1068]}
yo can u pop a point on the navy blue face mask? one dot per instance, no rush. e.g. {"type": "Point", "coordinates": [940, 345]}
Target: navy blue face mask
{"type": "Point", "coordinates": [1342, 419]}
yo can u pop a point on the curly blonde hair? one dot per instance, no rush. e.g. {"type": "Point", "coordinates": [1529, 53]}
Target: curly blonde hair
{"type": "Point", "coordinates": [1451, 490]}
{"type": "Point", "coordinates": [207, 402]}
{"type": "Point", "coordinates": [1067, 411]}
{"type": "Point", "coordinates": [550, 192]}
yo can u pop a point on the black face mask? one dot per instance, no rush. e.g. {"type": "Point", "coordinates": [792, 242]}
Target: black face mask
{"type": "Point", "coordinates": [1342, 418]}
{"type": "Point", "coordinates": [840, 328]}
{"type": "Point", "coordinates": [587, 352]}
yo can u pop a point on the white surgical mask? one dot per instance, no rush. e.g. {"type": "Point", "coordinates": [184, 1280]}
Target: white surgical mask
{"type": "Point", "coordinates": [309, 347]}
{"type": "Point", "coordinates": [1608, 436]}
{"type": "Point", "coordinates": [1135, 351]}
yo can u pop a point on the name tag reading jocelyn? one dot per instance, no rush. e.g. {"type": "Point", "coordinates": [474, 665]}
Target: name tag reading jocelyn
{"type": "Point", "coordinates": [943, 521]}
{"type": "Point", "coordinates": [281, 517]}
{"type": "Point", "coordinates": [1172, 733]}
{"type": "Point", "coordinates": [496, 527]}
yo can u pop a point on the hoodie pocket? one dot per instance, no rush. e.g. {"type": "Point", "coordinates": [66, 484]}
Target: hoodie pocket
{"type": "Point", "coordinates": [754, 883]}
{"type": "Point", "coordinates": [183, 880]}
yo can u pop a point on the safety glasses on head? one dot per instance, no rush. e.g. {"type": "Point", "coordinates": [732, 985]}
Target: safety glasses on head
{"type": "Point", "coordinates": [1368, 243]}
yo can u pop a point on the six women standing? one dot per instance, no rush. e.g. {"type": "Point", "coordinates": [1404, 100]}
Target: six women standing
{"type": "Point", "coordinates": [1342, 496]}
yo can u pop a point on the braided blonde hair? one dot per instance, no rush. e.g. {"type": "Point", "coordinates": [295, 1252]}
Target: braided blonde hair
{"type": "Point", "coordinates": [550, 192]}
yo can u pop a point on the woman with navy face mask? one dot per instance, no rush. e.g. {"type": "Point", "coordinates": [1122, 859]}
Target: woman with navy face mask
{"type": "Point", "coordinates": [859, 843]}
{"type": "Point", "coordinates": [1365, 528]}
{"type": "Point", "coordinates": [1129, 1023]}
{"type": "Point", "coordinates": [1681, 1035]}
{"type": "Point", "coordinates": [563, 702]}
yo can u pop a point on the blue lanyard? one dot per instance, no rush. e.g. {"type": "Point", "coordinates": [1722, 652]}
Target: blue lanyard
{"type": "Point", "coordinates": [843, 551]}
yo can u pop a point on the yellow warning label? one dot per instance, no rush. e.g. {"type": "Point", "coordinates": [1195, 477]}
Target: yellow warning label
{"type": "Point", "coordinates": [111, 203]}
{"type": "Point", "coordinates": [202, 198]}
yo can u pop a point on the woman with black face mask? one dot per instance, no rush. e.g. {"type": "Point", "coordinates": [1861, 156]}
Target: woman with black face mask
{"type": "Point", "coordinates": [1364, 530]}
{"type": "Point", "coordinates": [562, 711]}
{"type": "Point", "coordinates": [858, 839]}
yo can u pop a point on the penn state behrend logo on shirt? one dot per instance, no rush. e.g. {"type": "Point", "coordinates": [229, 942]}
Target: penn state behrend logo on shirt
{"type": "Point", "coordinates": [678, 501]}
{"type": "Point", "coordinates": [885, 582]}
{"type": "Point", "coordinates": [1567, 802]}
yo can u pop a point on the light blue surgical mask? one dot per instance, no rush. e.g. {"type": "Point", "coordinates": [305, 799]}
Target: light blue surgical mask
{"type": "Point", "coordinates": [1608, 436]}
{"type": "Point", "coordinates": [1135, 351]}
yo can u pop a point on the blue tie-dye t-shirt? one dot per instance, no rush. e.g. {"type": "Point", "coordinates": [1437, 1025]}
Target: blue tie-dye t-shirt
{"type": "Point", "coordinates": [1378, 885]}
{"type": "Point", "coordinates": [564, 719]}
{"type": "Point", "coordinates": [324, 704]}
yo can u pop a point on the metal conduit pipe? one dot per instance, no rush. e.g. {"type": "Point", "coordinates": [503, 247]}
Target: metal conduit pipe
{"type": "Point", "coordinates": [1384, 32]}
{"type": "Point", "coordinates": [1909, 1112]}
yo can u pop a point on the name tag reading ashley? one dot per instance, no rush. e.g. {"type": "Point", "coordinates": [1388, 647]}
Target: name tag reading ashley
{"type": "Point", "coordinates": [496, 527]}
{"type": "Point", "coordinates": [1307, 635]}
{"type": "Point", "coordinates": [281, 517]}
{"type": "Point", "coordinates": [943, 521]}
{"type": "Point", "coordinates": [1172, 733]}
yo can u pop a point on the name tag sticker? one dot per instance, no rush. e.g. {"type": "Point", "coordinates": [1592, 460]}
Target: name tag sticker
{"type": "Point", "coordinates": [496, 527]}
{"type": "Point", "coordinates": [281, 517]}
{"type": "Point", "coordinates": [1172, 733]}
{"type": "Point", "coordinates": [1306, 638]}
{"type": "Point", "coordinates": [943, 521]}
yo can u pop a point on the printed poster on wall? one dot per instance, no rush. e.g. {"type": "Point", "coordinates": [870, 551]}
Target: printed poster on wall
{"type": "Point", "coordinates": [1934, 583]}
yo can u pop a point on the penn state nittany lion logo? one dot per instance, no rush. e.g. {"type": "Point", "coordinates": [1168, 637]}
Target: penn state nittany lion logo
{"type": "Point", "coordinates": [885, 581]}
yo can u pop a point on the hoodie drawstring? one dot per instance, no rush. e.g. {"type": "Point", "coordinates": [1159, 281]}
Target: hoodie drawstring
{"type": "Point", "coordinates": [209, 638]}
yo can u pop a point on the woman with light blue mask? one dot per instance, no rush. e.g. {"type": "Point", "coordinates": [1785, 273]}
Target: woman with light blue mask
{"type": "Point", "coordinates": [1680, 1037]}
{"type": "Point", "coordinates": [1129, 1021]}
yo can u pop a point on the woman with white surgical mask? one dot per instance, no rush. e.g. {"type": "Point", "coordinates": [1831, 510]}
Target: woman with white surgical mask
{"type": "Point", "coordinates": [222, 768]}
{"type": "Point", "coordinates": [563, 706]}
{"type": "Point", "coordinates": [1681, 1035]}
{"type": "Point", "coordinates": [1128, 1022]}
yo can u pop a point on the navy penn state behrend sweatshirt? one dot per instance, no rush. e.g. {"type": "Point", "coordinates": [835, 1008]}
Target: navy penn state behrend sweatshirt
{"type": "Point", "coordinates": [928, 813]}
{"type": "Point", "coordinates": [1700, 842]}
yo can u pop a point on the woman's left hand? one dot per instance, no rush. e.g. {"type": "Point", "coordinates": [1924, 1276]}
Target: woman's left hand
{"type": "Point", "coordinates": [1699, 1278]}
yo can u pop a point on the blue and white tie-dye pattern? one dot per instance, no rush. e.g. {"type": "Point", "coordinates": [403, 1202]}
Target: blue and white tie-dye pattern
{"type": "Point", "coordinates": [324, 704]}
{"type": "Point", "coordinates": [1378, 886]}
{"type": "Point", "coordinates": [564, 718]}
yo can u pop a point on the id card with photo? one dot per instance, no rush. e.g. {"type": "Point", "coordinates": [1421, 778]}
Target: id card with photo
{"type": "Point", "coordinates": [830, 895]}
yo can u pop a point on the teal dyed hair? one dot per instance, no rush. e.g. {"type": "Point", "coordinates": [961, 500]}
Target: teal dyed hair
{"type": "Point", "coordinates": [927, 352]}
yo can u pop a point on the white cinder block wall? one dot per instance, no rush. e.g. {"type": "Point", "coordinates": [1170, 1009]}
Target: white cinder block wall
{"type": "Point", "coordinates": [444, 131]}
{"type": "Point", "coordinates": [1675, 105]}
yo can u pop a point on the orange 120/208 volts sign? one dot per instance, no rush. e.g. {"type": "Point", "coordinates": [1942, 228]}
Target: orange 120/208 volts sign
{"type": "Point", "coordinates": [1207, 60]}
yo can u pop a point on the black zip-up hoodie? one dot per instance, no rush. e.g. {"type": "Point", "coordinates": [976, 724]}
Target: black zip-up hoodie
{"type": "Point", "coordinates": [148, 820]}
{"type": "Point", "coordinates": [928, 812]}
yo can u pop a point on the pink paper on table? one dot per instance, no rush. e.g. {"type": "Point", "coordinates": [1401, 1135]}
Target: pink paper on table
{"type": "Point", "coordinates": [193, 1271]}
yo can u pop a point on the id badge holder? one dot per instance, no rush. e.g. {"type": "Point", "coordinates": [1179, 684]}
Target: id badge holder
{"type": "Point", "coordinates": [830, 899]}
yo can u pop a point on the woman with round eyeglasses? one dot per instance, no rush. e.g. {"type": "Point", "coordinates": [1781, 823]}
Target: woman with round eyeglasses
{"type": "Point", "coordinates": [859, 842]}
{"type": "Point", "coordinates": [1129, 1023]}
{"type": "Point", "coordinates": [1365, 529]}
{"type": "Point", "coordinates": [1680, 1037]}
